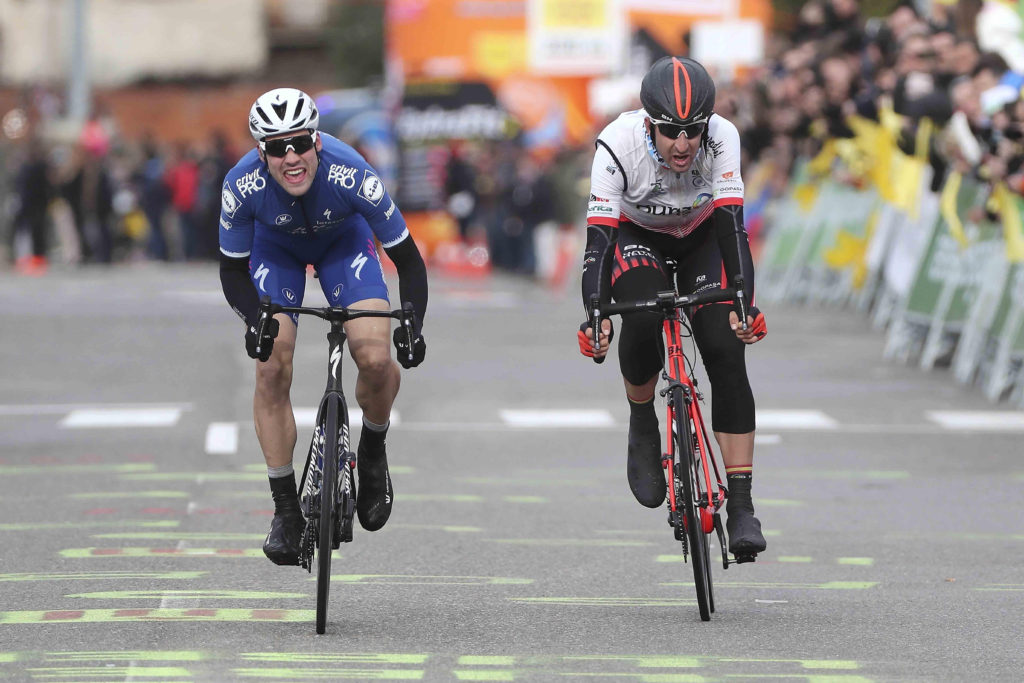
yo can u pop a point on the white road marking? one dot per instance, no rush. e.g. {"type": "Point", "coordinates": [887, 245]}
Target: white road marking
{"type": "Point", "coordinates": [981, 420]}
{"type": "Point", "coordinates": [794, 419]}
{"type": "Point", "coordinates": [222, 438]}
{"type": "Point", "coordinates": [89, 418]}
{"type": "Point", "coordinates": [63, 408]}
{"type": "Point", "coordinates": [306, 417]}
{"type": "Point", "coordinates": [557, 418]}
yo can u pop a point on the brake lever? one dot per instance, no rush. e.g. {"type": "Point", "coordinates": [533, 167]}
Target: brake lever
{"type": "Point", "coordinates": [407, 316]}
{"type": "Point", "coordinates": [595, 325]}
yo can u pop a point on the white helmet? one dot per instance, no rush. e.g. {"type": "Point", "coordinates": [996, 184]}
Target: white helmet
{"type": "Point", "coordinates": [282, 110]}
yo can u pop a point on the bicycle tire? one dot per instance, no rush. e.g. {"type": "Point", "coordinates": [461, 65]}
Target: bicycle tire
{"type": "Point", "coordinates": [697, 540]}
{"type": "Point", "coordinates": [325, 538]}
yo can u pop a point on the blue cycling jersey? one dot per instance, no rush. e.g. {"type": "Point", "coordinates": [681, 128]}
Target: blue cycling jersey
{"type": "Point", "coordinates": [345, 192]}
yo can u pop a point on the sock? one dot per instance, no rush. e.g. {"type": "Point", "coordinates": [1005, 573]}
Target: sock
{"type": "Point", "coordinates": [642, 414]}
{"type": "Point", "coordinates": [282, 489]}
{"type": "Point", "coordinates": [372, 437]}
{"type": "Point", "coordinates": [738, 479]}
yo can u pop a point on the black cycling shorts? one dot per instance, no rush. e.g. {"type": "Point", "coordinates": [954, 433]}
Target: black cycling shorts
{"type": "Point", "coordinates": [639, 272]}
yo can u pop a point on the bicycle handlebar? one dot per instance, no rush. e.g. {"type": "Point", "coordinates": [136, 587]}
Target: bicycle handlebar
{"type": "Point", "coordinates": [335, 314]}
{"type": "Point", "coordinates": [665, 301]}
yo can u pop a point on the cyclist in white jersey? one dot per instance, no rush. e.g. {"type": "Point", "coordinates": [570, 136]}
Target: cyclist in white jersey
{"type": "Point", "coordinates": [666, 183]}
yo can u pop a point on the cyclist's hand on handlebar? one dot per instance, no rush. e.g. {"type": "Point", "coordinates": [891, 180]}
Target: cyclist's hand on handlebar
{"type": "Point", "coordinates": [266, 345]}
{"type": "Point", "coordinates": [756, 327]}
{"type": "Point", "coordinates": [585, 337]}
{"type": "Point", "coordinates": [419, 348]}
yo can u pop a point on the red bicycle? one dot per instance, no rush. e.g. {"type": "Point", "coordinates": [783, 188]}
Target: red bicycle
{"type": "Point", "coordinates": [696, 492]}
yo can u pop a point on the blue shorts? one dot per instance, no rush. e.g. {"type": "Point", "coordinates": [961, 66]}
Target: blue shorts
{"type": "Point", "coordinates": [346, 261]}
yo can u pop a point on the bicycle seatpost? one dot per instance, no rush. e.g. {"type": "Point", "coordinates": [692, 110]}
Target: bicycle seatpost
{"type": "Point", "coordinates": [595, 325]}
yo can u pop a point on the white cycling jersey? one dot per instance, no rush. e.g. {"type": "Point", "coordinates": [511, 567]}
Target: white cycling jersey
{"type": "Point", "coordinates": [630, 182]}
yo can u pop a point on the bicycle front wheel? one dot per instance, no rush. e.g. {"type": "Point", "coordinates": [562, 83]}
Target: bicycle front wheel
{"type": "Point", "coordinates": [325, 536]}
{"type": "Point", "coordinates": [687, 472]}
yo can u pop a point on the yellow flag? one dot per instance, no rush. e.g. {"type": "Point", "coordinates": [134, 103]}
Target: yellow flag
{"type": "Point", "coordinates": [947, 207]}
{"type": "Point", "coordinates": [1013, 227]}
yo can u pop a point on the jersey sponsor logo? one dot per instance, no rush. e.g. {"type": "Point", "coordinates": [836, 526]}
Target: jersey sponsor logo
{"type": "Point", "coordinates": [342, 175]}
{"type": "Point", "coordinates": [702, 198]}
{"type": "Point", "coordinates": [610, 169]}
{"type": "Point", "coordinates": [357, 264]}
{"type": "Point", "coordinates": [251, 182]}
{"type": "Point", "coordinates": [716, 146]}
{"type": "Point", "coordinates": [391, 210]}
{"type": "Point", "coordinates": [336, 293]}
{"type": "Point", "coordinates": [596, 207]}
{"type": "Point", "coordinates": [283, 219]}
{"type": "Point", "coordinates": [289, 295]}
{"type": "Point", "coordinates": [226, 224]}
{"type": "Point", "coordinates": [595, 198]}
{"type": "Point", "coordinates": [372, 189]}
{"type": "Point", "coordinates": [656, 189]}
{"type": "Point", "coordinates": [727, 175]}
{"type": "Point", "coordinates": [662, 210]}
{"type": "Point", "coordinates": [261, 276]}
{"type": "Point", "coordinates": [327, 214]}
{"type": "Point", "coordinates": [228, 202]}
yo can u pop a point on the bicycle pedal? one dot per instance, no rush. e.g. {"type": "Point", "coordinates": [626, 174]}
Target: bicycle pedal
{"type": "Point", "coordinates": [745, 557]}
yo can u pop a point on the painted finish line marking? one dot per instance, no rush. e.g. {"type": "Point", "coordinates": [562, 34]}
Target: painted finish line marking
{"type": "Point", "coordinates": [978, 420]}
{"type": "Point", "coordinates": [96, 616]}
{"type": "Point", "coordinates": [104, 418]}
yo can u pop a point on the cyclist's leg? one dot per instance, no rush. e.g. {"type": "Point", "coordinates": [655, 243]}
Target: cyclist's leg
{"type": "Point", "coordinates": [732, 409]}
{"type": "Point", "coordinates": [277, 273]}
{"type": "Point", "coordinates": [639, 272]}
{"type": "Point", "coordinates": [351, 276]}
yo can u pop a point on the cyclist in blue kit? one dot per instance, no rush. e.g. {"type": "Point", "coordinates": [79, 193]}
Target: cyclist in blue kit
{"type": "Point", "coordinates": [302, 197]}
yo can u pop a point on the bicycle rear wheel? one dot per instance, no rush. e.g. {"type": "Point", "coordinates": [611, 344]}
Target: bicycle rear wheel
{"type": "Point", "coordinates": [696, 539]}
{"type": "Point", "coordinates": [325, 537]}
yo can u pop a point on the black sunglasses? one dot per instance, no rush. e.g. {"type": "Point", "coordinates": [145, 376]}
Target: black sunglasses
{"type": "Point", "coordinates": [300, 144]}
{"type": "Point", "coordinates": [673, 130]}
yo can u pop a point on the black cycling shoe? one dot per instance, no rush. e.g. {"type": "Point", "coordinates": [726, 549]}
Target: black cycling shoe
{"type": "Point", "coordinates": [374, 497]}
{"type": "Point", "coordinates": [285, 537]}
{"type": "Point", "coordinates": [745, 537]}
{"type": "Point", "coordinates": [643, 465]}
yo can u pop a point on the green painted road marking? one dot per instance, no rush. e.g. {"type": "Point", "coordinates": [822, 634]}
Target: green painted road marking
{"type": "Point", "coordinates": [185, 536]}
{"type": "Point", "coordinates": [129, 494]}
{"type": "Point", "coordinates": [49, 526]}
{"type": "Point", "coordinates": [334, 658]}
{"type": "Point", "coordinates": [605, 601]}
{"type": "Point", "coordinates": [186, 595]}
{"type": "Point", "coordinates": [131, 673]}
{"type": "Point", "coordinates": [197, 477]}
{"type": "Point", "coordinates": [57, 470]}
{"type": "Point", "coordinates": [485, 675]}
{"type": "Point", "coordinates": [412, 579]}
{"type": "Point", "coordinates": [486, 660]}
{"type": "Point", "coordinates": [780, 502]}
{"type": "Point", "coordinates": [92, 576]}
{"type": "Point", "coordinates": [8, 657]}
{"type": "Point", "coordinates": [333, 674]}
{"type": "Point", "coordinates": [856, 561]}
{"type": "Point", "coordinates": [450, 528]}
{"type": "Point", "coordinates": [97, 616]}
{"type": "Point", "coordinates": [795, 559]}
{"type": "Point", "coordinates": [602, 543]}
{"type": "Point", "coordinates": [162, 552]}
{"type": "Point", "coordinates": [840, 474]}
{"type": "Point", "coordinates": [524, 499]}
{"type": "Point", "coordinates": [443, 497]}
{"type": "Point", "coordinates": [128, 655]}
{"type": "Point", "coordinates": [827, 585]}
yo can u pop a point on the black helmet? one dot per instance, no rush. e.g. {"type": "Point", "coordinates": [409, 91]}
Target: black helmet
{"type": "Point", "coordinates": [678, 90]}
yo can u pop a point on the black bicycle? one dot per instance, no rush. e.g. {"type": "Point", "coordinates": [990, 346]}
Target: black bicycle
{"type": "Point", "coordinates": [327, 490]}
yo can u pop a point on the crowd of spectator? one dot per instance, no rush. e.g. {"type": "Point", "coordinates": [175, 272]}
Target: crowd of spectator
{"type": "Point", "coordinates": [953, 68]}
{"type": "Point", "coordinates": [959, 66]}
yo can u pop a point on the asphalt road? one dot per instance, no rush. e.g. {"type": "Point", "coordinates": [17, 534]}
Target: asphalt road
{"type": "Point", "coordinates": [134, 503]}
